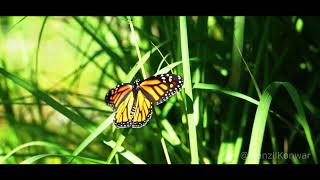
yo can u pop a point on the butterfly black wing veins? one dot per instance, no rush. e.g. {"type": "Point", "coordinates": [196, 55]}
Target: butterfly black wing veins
{"type": "Point", "coordinates": [154, 90]}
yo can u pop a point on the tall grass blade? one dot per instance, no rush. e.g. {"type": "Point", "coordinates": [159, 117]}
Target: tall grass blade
{"type": "Point", "coordinates": [188, 89]}
{"type": "Point", "coordinates": [135, 39]}
{"type": "Point", "coordinates": [261, 118]}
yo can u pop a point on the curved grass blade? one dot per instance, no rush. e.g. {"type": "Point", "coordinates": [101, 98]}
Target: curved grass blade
{"type": "Point", "coordinates": [35, 158]}
{"type": "Point", "coordinates": [38, 48]}
{"type": "Point", "coordinates": [162, 61]}
{"type": "Point", "coordinates": [168, 68]}
{"type": "Point", "coordinates": [219, 89]}
{"type": "Point", "coordinates": [261, 118]}
{"type": "Point", "coordinates": [228, 92]}
{"type": "Point", "coordinates": [301, 117]}
{"type": "Point", "coordinates": [33, 143]}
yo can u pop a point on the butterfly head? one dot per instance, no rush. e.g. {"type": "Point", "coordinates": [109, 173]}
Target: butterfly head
{"type": "Point", "coordinates": [136, 83]}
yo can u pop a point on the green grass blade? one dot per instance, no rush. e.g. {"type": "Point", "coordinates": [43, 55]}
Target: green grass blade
{"type": "Point", "coordinates": [137, 48]}
{"type": "Point", "coordinates": [217, 88]}
{"type": "Point", "coordinates": [166, 154]}
{"type": "Point", "coordinates": [239, 22]}
{"type": "Point", "coordinates": [167, 68]}
{"type": "Point", "coordinates": [36, 81]}
{"type": "Point", "coordinates": [38, 48]}
{"type": "Point", "coordinates": [261, 118]}
{"type": "Point", "coordinates": [120, 140]}
{"type": "Point", "coordinates": [93, 135]}
{"type": "Point", "coordinates": [163, 60]}
{"type": "Point", "coordinates": [226, 155]}
{"type": "Point", "coordinates": [49, 100]}
{"type": "Point", "coordinates": [35, 158]}
{"type": "Point", "coordinates": [33, 143]}
{"type": "Point", "coordinates": [23, 18]}
{"type": "Point", "coordinates": [169, 133]}
{"type": "Point", "coordinates": [144, 59]}
{"type": "Point", "coordinates": [114, 56]}
{"type": "Point", "coordinates": [8, 109]}
{"type": "Point", "coordinates": [301, 117]}
{"type": "Point", "coordinates": [259, 127]}
{"type": "Point", "coordinates": [252, 86]}
{"type": "Point", "coordinates": [125, 153]}
{"type": "Point", "coordinates": [188, 89]}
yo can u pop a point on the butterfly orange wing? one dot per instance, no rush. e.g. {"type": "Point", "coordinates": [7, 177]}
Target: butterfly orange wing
{"type": "Point", "coordinates": [133, 105]}
{"type": "Point", "coordinates": [116, 95]}
{"type": "Point", "coordinates": [121, 99]}
{"type": "Point", "coordinates": [159, 88]}
{"type": "Point", "coordinates": [142, 110]}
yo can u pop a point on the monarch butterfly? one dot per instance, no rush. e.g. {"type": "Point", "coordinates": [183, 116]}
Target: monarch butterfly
{"type": "Point", "coordinates": [133, 101]}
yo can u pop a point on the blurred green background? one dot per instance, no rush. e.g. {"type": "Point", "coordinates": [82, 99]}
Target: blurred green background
{"type": "Point", "coordinates": [251, 92]}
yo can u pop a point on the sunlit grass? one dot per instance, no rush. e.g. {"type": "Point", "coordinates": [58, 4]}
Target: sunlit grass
{"type": "Point", "coordinates": [250, 85]}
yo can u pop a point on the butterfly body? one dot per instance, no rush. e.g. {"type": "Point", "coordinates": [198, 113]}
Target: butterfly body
{"type": "Point", "coordinates": [133, 102]}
